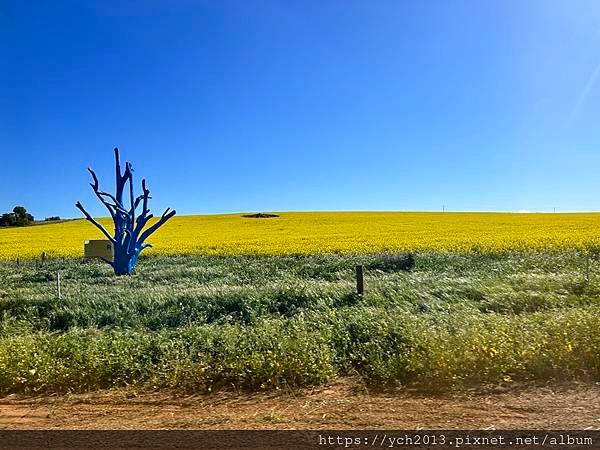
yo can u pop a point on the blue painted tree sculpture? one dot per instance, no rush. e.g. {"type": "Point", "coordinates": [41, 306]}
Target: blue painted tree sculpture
{"type": "Point", "coordinates": [130, 236]}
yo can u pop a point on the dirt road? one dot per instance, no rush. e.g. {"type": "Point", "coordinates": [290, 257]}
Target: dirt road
{"type": "Point", "coordinates": [340, 405]}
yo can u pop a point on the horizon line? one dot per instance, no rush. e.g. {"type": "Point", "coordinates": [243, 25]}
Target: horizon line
{"type": "Point", "coordinates": [424, 211]}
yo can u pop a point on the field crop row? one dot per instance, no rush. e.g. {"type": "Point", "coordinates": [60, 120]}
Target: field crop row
{"type": "Point", "coordinates": [343, 232]}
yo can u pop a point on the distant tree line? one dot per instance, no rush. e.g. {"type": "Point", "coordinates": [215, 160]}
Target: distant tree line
{"type": "Point", "coordinates": [19, 217]}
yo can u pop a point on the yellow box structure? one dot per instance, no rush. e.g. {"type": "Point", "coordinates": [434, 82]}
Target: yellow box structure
{"type": "Point", "coordinates": [98, 249]}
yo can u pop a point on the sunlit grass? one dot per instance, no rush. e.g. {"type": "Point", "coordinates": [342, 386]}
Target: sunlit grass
{"type": "Point", "coordinates": [200, 323]}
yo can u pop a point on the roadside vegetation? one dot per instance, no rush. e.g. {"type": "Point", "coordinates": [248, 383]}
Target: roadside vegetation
{"type": "Point", "coordinates": [201, 323]}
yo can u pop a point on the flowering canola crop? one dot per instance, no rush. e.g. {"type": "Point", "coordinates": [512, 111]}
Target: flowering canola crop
{"type": "Point", "coordinates": [322, 232]}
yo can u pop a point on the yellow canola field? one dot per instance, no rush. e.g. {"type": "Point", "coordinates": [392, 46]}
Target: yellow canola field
{"type": "Point", "coordinates": [318, 232]}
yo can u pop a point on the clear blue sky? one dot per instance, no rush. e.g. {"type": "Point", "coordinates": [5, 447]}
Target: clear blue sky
{"type": "Point", "coordinates": [229, 106]}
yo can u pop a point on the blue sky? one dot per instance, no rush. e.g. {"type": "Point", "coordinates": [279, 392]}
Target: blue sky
{"type": "Point", "coordinates": [229, 106]}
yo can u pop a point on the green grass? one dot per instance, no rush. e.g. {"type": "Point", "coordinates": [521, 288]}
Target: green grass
{"type": "Point", "coordinates": [202, 323]}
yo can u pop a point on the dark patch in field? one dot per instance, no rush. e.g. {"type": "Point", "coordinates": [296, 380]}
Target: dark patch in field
{"type": "Point", "coordinates": [259, 216]}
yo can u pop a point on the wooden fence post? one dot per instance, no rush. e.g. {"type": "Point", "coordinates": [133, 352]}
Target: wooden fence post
{"type": "Point", "coordinates": [587, 266]}
{"type": "Point", "coordinates": [58, 285]}
{"type": "Point", "coordinates": [360, 283]}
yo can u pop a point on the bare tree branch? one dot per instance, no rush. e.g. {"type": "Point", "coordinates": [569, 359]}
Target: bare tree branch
{"type": "Point", "coordinates": [121, 178]}
{"type": "Point", "coordinates": [145, 197]}
{"type": "Point", "coordinates": [91, 219]}
{"type": "Point", "coordinates": [111, 208]}
{"type": "Point", "coordinates": [94, 177]}
{"type": "Point", "coordinates": [129, 170]}
{"type": "Point", "coordinates": [166, 216]}
{"type": "Point", "coordinates": [143, 218]}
